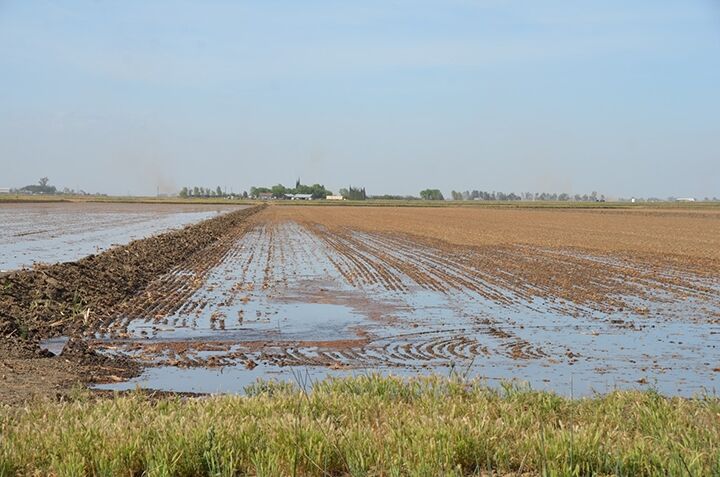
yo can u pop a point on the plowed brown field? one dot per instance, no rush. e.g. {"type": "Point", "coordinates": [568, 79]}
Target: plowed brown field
{"type": "Point", "coordinates": [657, 232]}
{"type": "Point", "coordinates": [610, 297]}
{"type": "Point", "coordinates": [569, 300]}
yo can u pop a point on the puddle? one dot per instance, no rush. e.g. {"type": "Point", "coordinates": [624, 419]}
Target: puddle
{"type": "Point", "coordinates": [227, 380]}
{"type": "Point", "coordinates": [255, 321]}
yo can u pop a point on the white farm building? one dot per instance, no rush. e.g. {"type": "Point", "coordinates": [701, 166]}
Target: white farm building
{"type": "Point", "coordinates": [298, 196]}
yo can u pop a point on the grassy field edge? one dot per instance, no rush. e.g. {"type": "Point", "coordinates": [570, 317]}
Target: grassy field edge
{"type": "Point", "coordinates": [366, 425]}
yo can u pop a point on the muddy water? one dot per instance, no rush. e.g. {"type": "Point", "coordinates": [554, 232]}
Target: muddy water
{"type": "Point", "coordinates": [296, 304]}
{"type": "Point", "coordinates": [59, 232]}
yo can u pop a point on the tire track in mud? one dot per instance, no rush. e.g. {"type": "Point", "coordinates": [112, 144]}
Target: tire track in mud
{"type": "Point", "coordinates": [425, 305]}
{"type": "Point", "coordinates": [398, 264]}
{"type": "Point", "coordinates": [272, 258]}
{"type": "Point", "coordinates": [269, 255]}
{"type": "Point", "coordinates": [441, 348]}
{"type": "Point", "coordinates": [173, 292]}
{"type": "Point", "coordinates": [569, 282]}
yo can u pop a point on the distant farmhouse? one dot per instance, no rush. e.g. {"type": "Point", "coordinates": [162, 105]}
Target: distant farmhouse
{"type": "Point", "coordinates": [271, 196]}
{"type": "Point", "coordinates": [685, 199]}
{"type": "Point", "coordinates": [335, 197]}
{"type": "Point", "coordinates": [299, 192]}
{"type": "Point", "coordinates": [298, 196]}
{"type": "Point", "coordinates": [4, 190]}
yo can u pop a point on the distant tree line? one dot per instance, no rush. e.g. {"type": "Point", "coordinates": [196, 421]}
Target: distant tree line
{"type": "Point", "coordinates": [393, 197]}
{"type": "Point", "coordinates": [431, 194]}
{"type": "Point", "coordinates": [502, 196]}
{"type": "Point", "coordinates": [669, 199]}
{"type": "Point", "coordinates": [43, 187]}
{"type": "Point", "coordinates": [206, 192]}
{"type": "Point", "coordinates": [354, 193]}
{"type": "Point", "coordinates": [317, 191]}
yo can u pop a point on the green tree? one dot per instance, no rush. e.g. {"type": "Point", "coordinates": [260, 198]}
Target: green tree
{"type": "Point", "coordinates": [318, 191]}
{"type": "Point", "coordinates": [431, 194]}
{"type": "Point", "coordinates": [184, 192]}
{"type": "Point", "coordinates": [41, 187]}
{"type": "Point", "coordinates": [354, 193]}
{"type": "Point", "coordinates": [256, 191]}
{"type": "Point", "coordinates": [278, 191]}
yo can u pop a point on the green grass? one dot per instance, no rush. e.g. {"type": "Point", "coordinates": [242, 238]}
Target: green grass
{"type": "Point", "coordinates": [366, 426]}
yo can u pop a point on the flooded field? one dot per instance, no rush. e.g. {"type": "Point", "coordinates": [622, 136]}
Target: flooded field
{"type": "Point", "coordinates": [575, 302]}
{"type": "Point", "coordinates": [57, 232]}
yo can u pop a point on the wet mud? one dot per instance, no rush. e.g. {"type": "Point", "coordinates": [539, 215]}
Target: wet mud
{"type": "Point", "coordinates": [293, 295]}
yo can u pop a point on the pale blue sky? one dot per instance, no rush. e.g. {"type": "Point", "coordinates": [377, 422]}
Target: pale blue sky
{"type": "Point", "coordinates": [615, 96]}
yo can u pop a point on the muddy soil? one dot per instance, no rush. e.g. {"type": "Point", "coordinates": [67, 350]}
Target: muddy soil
{"type": "Point", "coordinates": [72, 299]}
{"type": "Point", "coordinates": [571, 301]}
{"type": "Point", "coordinates": [27, 372]}
{"type": "Point", "coordinates": [322, 291]}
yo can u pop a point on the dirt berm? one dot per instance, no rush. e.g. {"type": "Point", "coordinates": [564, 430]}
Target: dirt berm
{"type": "Point", "coordinates": [69, 298]}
